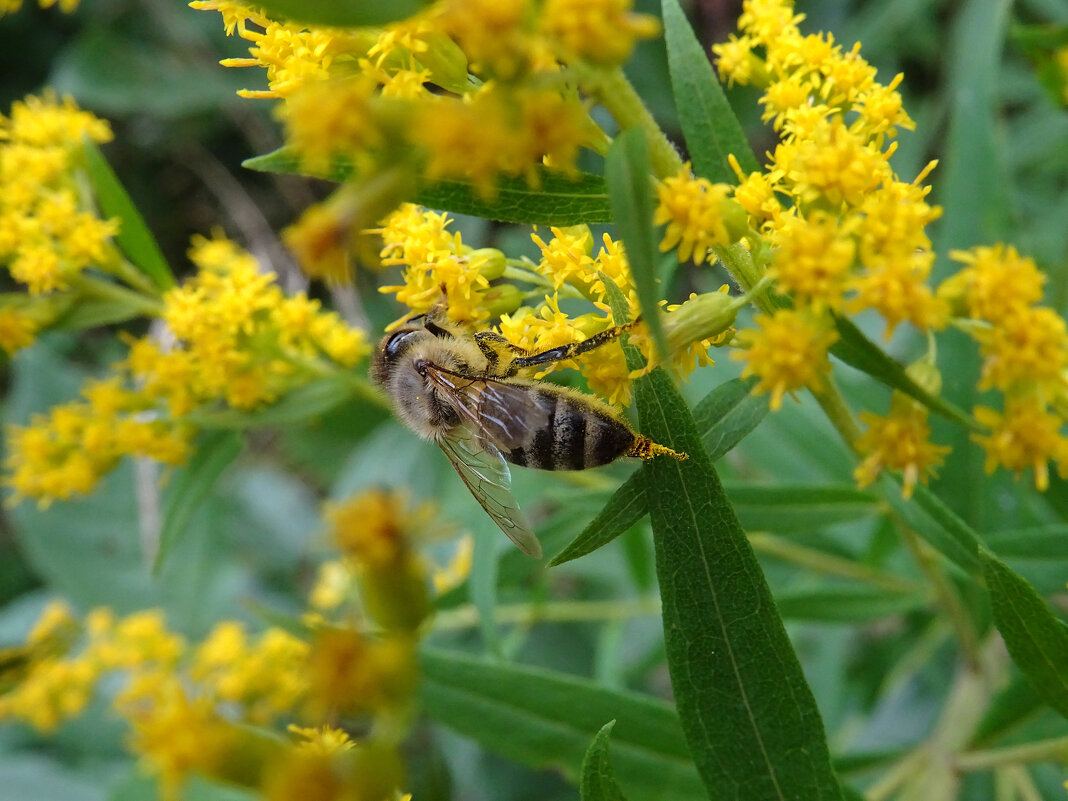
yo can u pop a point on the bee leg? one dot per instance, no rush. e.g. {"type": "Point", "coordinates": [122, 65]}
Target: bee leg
{"type": "Point", "coordinates": [493, 347]}
{"type": "Point", "coordinates": [574, 349]}
{"type": "Point", "coordinates": [645, 448]}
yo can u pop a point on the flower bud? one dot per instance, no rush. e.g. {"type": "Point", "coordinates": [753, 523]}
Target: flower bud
{"type": "Point", "coordinates": [502, 299]}
{"type": "Point", "coordinates": [489, 262]}
{"type": "Point", "coordinates": [701, 317]}
{"type": "Point", "coordinates": [446, 61]}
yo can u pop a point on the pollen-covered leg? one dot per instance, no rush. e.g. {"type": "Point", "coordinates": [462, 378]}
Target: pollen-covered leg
{"type": "Point", "coordinates": [645, 448]}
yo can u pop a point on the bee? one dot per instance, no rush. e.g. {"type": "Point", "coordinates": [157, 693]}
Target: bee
{"type": "Point", "coordinates": [461, 391]}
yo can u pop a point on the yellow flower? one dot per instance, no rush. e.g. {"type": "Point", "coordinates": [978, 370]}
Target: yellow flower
{"type": "Point", "coordinates": [693, 209]}
{"type": "Point", "coordinates": [497, 35]}
{"type": "Point", "coordinates": [813, 259]}
{"type": "Point", "coordinates": [895, 287]}
{"type": "Point", "coordinates": [1025, 435]}
{"type": "Point", "coordinates": [995, 280]}
{"type": "Point", "coordinates": [899, 441]}
{"type": "Point", "coordinates": [267, 677]}
{"type": "Point", "coordinates": [567, 256]}
{"type": "Point", "coordinates": [17, 329]}
{"type": "Point", "coordinates": [1026, 346]}
{"type": "Point", "coordinates": [327, 120]}
{"type": "Point", "coordinates": [600, 31]}
{"type": "Point", "coordinates": [788, 351]}
{"type": "Point", "coordinates": [835, 166]}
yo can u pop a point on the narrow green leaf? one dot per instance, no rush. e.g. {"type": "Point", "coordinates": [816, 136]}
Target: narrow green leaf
{"type": "Point", "coordinates": [215, 451]}
{"type": "Point", "coordinates": [630, 191]}
{"type": "Point", "coordinates": [747, 712]}
{"type": "Point", "coordinates": [546, 720]}
{"type": "Point", "coordinates": [789, 508]}
{"type": "Point", "coordinates": [343, 13]}
{"type": "Point", "coordinates": [725, 415]}
{"type": "Point", "coordinates": [1016, 703]}
{"type": "Point", "coordinates": [935, 522]}
{"type": "Point", "coordinates": [557, 200]}
{"type": "Point", "coordinates": [625, 508]}
{"type": "Point", "coordinates": [297, 406]}
{"type": "Point", "coordinates": [134, 237]}
{"type": "Point", "coordinates": [598, 782]}
{"type": "Point", "coordinates": [1036, 640]}
{"type": "Point", "coordinates": [845, 606]}
{"type": "Point", "coordinates": [90, 313]}
{"type": "Point", "coordinates": [711, 129]}
{"type": "Point", "coordinates": [859, 352]}
{"type": "Point", "coordinates": [1039, 542]}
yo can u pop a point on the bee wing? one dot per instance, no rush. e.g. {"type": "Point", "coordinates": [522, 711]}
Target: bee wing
{"type": "Point", "coordinates": [485, 473]}
{"type": "Point", "coordinates": [507, 415]}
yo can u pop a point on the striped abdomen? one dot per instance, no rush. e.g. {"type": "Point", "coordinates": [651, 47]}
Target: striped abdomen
{"type": "Point", "coordinates": [578, 435]}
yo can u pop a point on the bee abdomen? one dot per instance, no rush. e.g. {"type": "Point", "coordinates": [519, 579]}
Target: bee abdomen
{"type": "Point", "coordinates": [576, 437]}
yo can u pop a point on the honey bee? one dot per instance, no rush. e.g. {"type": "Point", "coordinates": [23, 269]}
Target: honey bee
{"type": "Point", "coordinates": [461, 391]}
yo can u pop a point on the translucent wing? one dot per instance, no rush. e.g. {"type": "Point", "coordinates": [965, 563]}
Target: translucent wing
{"type": "Point", "coordinates": [483, 470]}
{"type": "Point", "coordinates": [506, 414]}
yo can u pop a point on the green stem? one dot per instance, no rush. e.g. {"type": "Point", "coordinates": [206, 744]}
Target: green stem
{"type": "Point", "coordinates": [100, 289]}
{"type": "Point", "coordinates": [830, 399]}
{"type": "Point", "coordinates": [516, 273]}
{"type": "Point", "coordinates": [465, 617]}
{"type": "Point", "coordinates": [821, 562]}
{"type": "Point", "coordinates": [948, 597]}
{"type": "Point", "coordinates": [612, 90]}
{"type": "Point", "coordinates": [1053, 750]}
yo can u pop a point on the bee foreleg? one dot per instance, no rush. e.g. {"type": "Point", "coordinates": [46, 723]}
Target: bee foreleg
{"type": "Point", "coordinates": [493, 347]}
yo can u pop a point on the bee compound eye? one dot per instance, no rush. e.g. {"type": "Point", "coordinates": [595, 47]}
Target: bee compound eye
{"type": "Point", "coordinates": [395, 344]}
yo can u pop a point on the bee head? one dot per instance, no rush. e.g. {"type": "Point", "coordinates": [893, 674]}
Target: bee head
{"type": "Point", "coordinates": [390, 350]}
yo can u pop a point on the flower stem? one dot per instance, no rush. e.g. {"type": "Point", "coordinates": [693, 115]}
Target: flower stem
{"type": "Point", "coordinates": [612, 90]}
{"type": "Point", "coordinates": [1053, 750]}
{"type": "Point", "coordinates": [100, 289]}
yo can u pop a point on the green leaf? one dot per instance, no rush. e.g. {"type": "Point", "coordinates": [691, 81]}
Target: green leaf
{"type": "Point", "coordinates": [725, 415]}
{"type": "Point", "coordinates": [1036, 640]}
{"type": "Point", "coordinates": [747, 712]}
{"type": "Point", "coordinates": [859, 352]}
{"type": "Point", "coordinates": [787, 508]}
{"type": "Point", "coordinates": [845, 606]}
{"type": "Point", "coordinates": [1039, 542]}
{"type": "Point", "coordinates": [1011, 707]}
{"type": "Point", "coordinates": [297, 406]}
{"type": "Point", "coordinates": [598, 782]}
{"type": "Point", "coordinates": [711, 129]}
{"type": "Point", "coordinates": [215, 451]}
{"type": "Point", "coordinates": [630, 191]}
{"type": "Point", "coordinates": [90, 313]}
{"type": "Point", "coordinates": [546, 720]}
{"type": "Point", "coordinates": [935, 522]}
{"type": "Point", "coordinates": [134, 237]}
{"type": "Point", "coordinates": [343, 13]}
{"type": "Point", "coordinates": [557, 200]}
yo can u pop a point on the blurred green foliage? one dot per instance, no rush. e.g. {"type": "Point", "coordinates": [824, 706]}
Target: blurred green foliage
{"type": "Point", "coordinates": [877, 653]}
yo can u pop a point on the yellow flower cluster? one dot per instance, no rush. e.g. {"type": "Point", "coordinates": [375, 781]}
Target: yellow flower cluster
{"type": "Point", "coordinates": [1025, 358]}
{"type": "Point", "coordinates": [49, 233]}
{"type": "Point", "coordinates": [11, 6]}
{"type": "Point", "coordinates": [235, 338]}
{"type": "Point", "coordinates": [207, 708]}
{"type": "Point", "coordinates": [507, 107]}
{"type": "Point", "coordinates": [849, 236]}
{"type": "Point", "coordinates": [846, 234]}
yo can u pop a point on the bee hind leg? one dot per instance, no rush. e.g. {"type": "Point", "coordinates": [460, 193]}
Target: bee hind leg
{"type": "Point", "coordinates": [645, 448]}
